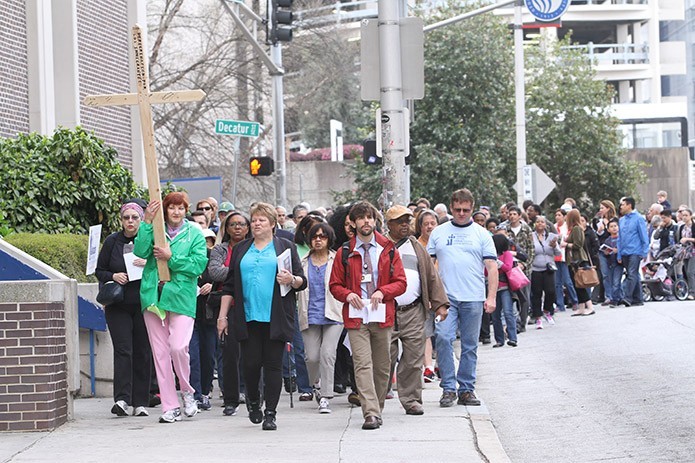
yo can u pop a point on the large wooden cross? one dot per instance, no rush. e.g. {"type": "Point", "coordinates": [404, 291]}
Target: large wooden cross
{"type": "Point", "coordinates": [144, 99]}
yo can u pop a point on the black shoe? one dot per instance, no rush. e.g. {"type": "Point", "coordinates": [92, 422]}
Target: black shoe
{"type": "Point", "coordinates": [511, 343]}
{"type": "Point", "coordinates": [371, 422]}
{"type": "Point", "coordinates": [485, 341]}
{"type": "Point", "coordinates": [290, 384]}
{"type": "Point", "coordinates": [230, 410]}
{"type": "Point", "coordinates": [339, 389]}
{"type": "Point", "coordinates": [269, 421]}
{"type": "Point", "coordinates": [255, 413]}
{"type": "Point", "coordinates": [642, 303]}
{"type": "Point", "coordinates": [625, 303]}
{"type": "Point", "coordinates": [154, 400]}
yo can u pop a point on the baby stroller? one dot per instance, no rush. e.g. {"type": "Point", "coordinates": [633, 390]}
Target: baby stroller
{"type": "Point", "coordinates": [663, 277]}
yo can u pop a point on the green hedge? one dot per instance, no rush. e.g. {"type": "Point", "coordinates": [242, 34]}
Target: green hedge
{"type": "Point", "coordinates": [65, 253]}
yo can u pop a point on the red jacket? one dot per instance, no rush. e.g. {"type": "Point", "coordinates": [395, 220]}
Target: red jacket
{"type": "Point", "coordinates": [390, 284]}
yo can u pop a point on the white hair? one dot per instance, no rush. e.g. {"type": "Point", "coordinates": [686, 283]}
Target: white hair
{"type": "Point", "coordinates": [441, 207]}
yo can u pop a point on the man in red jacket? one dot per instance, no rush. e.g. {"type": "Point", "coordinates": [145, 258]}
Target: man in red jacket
{"type": "Point", "coordinates": [373, 275]}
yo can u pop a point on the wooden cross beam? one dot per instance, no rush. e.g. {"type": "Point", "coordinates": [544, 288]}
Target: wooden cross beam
{"type": "Point", "coordinates": [144, 99]}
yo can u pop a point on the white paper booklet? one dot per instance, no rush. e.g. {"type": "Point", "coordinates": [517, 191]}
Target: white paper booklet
{"type": "Point", "coordinates": [134, 272]}
{"type": "Point", "coordinates": [367, 314]}
{"type": "Point", "coordinates": [285, 262]}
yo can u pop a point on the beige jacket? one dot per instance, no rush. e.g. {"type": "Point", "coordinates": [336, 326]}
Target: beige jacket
{"type": "Point", "coordinates": [334, 309]}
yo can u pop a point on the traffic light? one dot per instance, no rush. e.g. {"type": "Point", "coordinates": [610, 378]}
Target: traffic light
{"type": "Point", "coordinates": [259, 166]}
{"type": "Point", "coordinates": [281, 21]}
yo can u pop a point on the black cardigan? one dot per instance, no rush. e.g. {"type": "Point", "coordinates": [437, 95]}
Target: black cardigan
{"type": "Point", "coordinates": [111, 261]}
{"type": "Point", "coordinates": [283, 309]}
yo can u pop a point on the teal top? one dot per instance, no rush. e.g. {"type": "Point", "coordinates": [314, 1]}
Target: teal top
{"type": "Point", "coordinates": [258, 271]}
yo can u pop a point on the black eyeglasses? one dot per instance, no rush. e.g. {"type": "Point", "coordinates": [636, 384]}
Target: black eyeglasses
{"type": "Point", "coordinates": [206, 208]}
{"type": "Point", "coordinates": [237, 225]}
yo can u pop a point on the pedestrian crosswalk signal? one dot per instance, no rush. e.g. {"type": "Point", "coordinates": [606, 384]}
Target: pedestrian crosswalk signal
{"type": "Point", "coordinates": [261, 166]}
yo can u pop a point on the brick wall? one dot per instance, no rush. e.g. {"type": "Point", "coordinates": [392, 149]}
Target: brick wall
{"type": "Point", "coordinates": [33, 366]}
{"type": "Point", "coordinates": [14, 83]}
{"type": "Point", "coordinates": [103, 43]}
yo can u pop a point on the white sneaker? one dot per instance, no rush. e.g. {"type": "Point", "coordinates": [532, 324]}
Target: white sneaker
{"type": "Point", "coordinates": [140, 411]}
{"type": "Point", "coordinates": [324, 406]}
{"type": "Point", "coordinates": [120, 408]}
{"type": "Point", "coordinates": [190, 405]}
{"type": "Point", "coordinates": [170, 416]}
{"type": "Point", "coordinates": [549, 318]}
{"type": "Point", "coordinates": [539, 323]}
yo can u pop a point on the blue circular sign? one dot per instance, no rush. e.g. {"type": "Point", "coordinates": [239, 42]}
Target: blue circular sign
{"type": "Point", "coordinates": [547, 10]}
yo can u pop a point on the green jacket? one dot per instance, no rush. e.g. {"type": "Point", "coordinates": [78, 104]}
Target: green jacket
{"type": "Point", "coordinates": [188, 260]}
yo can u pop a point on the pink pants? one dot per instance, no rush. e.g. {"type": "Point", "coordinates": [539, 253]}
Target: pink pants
{"type": "Point", "coordinates": [169, 340]}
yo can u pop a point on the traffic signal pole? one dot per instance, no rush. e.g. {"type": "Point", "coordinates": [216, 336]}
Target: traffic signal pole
{"type": "Point", "coordinates": [279, 129]}
{"type": "Point", "coordinates": [392, 114]}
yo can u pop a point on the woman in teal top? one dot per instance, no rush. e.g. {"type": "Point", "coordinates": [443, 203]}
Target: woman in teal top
{"type": "Point", "coordinates": [262, 319]}
{"type": "Point", "coordinates": [169, 308]}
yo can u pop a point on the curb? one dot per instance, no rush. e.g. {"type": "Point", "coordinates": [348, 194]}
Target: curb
{"type": "Point", "coordinates": [486, 439]}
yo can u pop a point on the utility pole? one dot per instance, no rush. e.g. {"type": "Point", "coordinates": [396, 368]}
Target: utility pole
{"type": "Point", "coordinates": [279, 129]}
{"type": "Point", "coordinates": [520, 96]}
{"type": "Point", "coordinates": [392, 113]}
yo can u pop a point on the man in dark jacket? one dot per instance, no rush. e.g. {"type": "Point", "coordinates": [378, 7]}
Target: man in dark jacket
{"type": "Point", "coordinates": [367, 285]}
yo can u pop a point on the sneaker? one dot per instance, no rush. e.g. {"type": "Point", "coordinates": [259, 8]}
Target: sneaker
{"type": "Point", "coordinates": [428, 376]}
{"type": "Point", "coordinates": [230, 410]}
{"type": "Point", "coordinates": [154, 400]}
{"type": "Point", "coordinates": [255, 413]}
{"type": "Point", "coordinates": [531, 321]}
{"type": "Point", "coordinates": [140, 411]}
{"type": "Point", "coordinates": [204, 403]}
{"type": "Point", "coordinates": [242, 398]}
{"type": "Point", "coordinates": [306, 397]}
{"type": "Point", "coordinates": [390, 395]}
{"type": "Point", "coordinates": [120, 408]}
{"type": "Point", "coordinates": [539, 323]}
{"type": "Point", "coordinates": [437, 372]}
{"type": "Point", "coordinates": [549, 318]}
{"type": "Point", "coordinates": [190, 405]}
{"type": "Point", "coordinates": [324, 405]}
{"type": "Point", "coordinates": [170, 416]}
{"type": "Point", "coordinates": [448, 398]}
{"type": "Point", "coordinates": [269, 423]}
{"type": "Point", "coordinates": [468, 398]}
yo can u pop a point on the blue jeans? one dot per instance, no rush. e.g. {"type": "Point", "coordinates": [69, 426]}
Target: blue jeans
{"type": "Point", "coordinates": [563, 278]}
{"type": "Point", "coordinates": [202, 352]}
{"type": "Point", "coordinates": [295, 365]}
{"type": "Point", "coordinates": [632, 288]}
{"type": "Point", "coordinates": [615, 278]}
{"type": "Point", "coordinates": [606, 277]}
{"type": "Point", "coordinates": [505, 308]}
{"type": "Point", "coordinates": [466, 316]}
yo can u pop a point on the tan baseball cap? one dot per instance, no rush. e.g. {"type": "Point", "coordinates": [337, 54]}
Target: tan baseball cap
{"type": "Point", "coordinates": [397, 212]}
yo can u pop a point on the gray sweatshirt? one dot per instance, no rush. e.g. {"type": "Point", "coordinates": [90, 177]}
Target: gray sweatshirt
{"type": "Point", "coordinates": [545, 254]}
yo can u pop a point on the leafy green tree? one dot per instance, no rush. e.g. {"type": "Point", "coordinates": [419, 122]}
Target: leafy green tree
{"type": "Point", "coordinates": [571, 134]}
{"type": "Point", "coordinates": [464, 130]}
{"type": "Point", "coordinates": [463, 134]}
{"type": "Point", "coordinates": [64, 183]}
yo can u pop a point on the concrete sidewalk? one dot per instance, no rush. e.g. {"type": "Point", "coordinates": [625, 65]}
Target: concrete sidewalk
{"type": "Point", "coordinates": [440, 435]}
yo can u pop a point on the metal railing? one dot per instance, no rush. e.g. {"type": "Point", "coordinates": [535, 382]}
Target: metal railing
{"type": "Point", "coordinates": [615, 53]}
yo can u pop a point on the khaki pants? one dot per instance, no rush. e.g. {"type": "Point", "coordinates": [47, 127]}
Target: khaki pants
{"type": "Point", "coordinates": [370, 356]}
{"type": "Point", "coordinates": [411, 333]}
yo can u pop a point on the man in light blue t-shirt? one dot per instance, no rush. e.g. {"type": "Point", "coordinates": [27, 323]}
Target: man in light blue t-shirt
{"type": "Point", "coordinates": [464, 250]}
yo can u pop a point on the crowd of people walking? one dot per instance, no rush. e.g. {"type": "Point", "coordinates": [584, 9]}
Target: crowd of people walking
{"type": "Point", "coordinates": [320, 301]}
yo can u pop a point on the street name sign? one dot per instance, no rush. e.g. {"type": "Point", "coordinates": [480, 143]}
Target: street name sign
{"type": "Point", "coordinates": [237, 128]}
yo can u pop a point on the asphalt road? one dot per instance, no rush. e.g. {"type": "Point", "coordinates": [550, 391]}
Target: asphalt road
{"type": "Point", "coordinates": [618, 386]}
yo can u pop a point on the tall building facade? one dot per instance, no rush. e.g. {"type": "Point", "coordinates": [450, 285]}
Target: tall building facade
{"type": "Point", "coordinates": [54, 53]}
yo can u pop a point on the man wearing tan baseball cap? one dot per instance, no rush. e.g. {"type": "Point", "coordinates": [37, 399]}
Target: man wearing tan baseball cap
{"type": "Point", "coordinates": [424, 292]}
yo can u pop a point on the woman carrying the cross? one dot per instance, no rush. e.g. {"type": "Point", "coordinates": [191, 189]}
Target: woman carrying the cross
{"type": "Point", "coordinates": [169, 307]}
